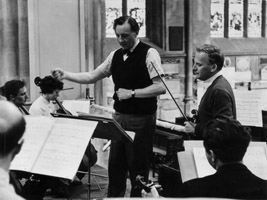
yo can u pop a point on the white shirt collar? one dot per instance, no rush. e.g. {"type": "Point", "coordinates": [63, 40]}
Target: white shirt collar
{"type": "Point", "coordinates": [209, 81]}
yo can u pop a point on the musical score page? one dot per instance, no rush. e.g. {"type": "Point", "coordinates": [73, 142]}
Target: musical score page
{"type": "Point", "coordinates": [202, 165]}
{"type": "Point", "coordinates": [254, 159]}
{"type": "Point", "coordinates": [256, 162]}
{"type": "Point", "coordinates": [36, 133]}
{"type": "Point", "coordinates": [56, 148]}
{"type": "Point", "coordinates": [76, 106]}
{"type": "Point", "coordinates": [249, 105]}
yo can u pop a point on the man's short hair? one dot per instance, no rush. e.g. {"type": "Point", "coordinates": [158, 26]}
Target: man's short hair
{"type": "Point", "coordinates": [131, 21]}
{"type": "Point", "coordinates": [228, 139]}
{"type": "Point", "coordinates": [9, 138]}
{"type": "Point", "coordinates": [12, 88]}
{"type": "Point", "coordinates": [214, 53]}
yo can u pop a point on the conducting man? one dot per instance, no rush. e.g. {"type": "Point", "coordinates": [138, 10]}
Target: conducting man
{"type": "Point", "coordinates": [137, 85]}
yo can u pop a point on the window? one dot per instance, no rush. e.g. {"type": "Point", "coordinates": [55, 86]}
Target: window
{"type": "Point", "coordinates": [133, 8]}
{"type": "Point", "coordinates": [254, 18]}
{"type": "Point", "coordinates": [217, 18]}
{"type": "Point", "coordinates": [235, 18]}
{"type": "Point", "coordinates": [238, 18]}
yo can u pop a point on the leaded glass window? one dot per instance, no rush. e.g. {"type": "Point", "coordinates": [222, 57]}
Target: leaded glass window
{"type": "Point", "coordinates": [236, 15]}
{"type": "Point", "coordinates": [217, 18]}
{"type": "Point", "coordinates": [134, 8]}
{"type": "Point", "coordinates": [254, 18]}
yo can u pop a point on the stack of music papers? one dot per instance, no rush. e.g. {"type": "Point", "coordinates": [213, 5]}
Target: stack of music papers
{"type": "Point", "coordinates": [53, 146]}
{"type": "Point", "coordinates": [194, 164]}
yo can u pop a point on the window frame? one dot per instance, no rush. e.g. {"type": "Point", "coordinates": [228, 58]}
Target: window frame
{"type": "Point", "coordinates": [245, 21]}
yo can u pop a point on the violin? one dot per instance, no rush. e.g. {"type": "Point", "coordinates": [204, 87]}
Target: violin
{"type": "Point", "coordinates": [61, 109]}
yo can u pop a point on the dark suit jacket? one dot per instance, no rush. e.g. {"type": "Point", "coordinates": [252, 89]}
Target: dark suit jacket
{"type": "Point", "coordinates": [217, 102]}
{"type": "Point", "coordinates": [230, 181]}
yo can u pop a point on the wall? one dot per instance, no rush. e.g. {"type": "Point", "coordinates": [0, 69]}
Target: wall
{"type": "Point", "coordinates": [56, 40]}
{"type": "Point", "coordinates": [14, 48]}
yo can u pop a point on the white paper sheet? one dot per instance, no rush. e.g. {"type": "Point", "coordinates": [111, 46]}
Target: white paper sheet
{"type": "Point", "coordinates": [254, 159]}
{"type": "Point", "coordinates": [54, 146]}
{"type": "Point", "coordinates": [75, 106]}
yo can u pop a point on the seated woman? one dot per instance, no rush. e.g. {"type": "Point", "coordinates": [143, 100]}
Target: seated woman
{"type": "Point", "coordinates": [44, 106]}
{"type": "Point", "coordinates": [50, 88]}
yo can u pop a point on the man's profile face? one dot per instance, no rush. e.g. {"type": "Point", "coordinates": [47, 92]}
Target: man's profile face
{"type": "Point", "coordinates": [21, 97]}
{"type": "Point", "coordinates": [125, 36]}
{"type": "Point", "coordinates": [202, 69]}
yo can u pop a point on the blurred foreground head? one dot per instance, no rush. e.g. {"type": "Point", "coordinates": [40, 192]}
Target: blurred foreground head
{"type": "Point", "coordinates": [12, 127]}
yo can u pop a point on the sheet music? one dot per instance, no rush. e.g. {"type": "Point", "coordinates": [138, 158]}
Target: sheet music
{"type": "Point", "coordinates": [60, 153]}
{"type": "Point", "coordinates": [202, 164]}
{"type": "Point", "coordinates": [36, 133]}
{"type": "Point", "coordinates": [75, 106]}
{"type": "Point", "coordinates": [187, 165]}
{"type": "Point", "coordinates": [249, 105]}
{"type": "Point", "coordinates": [254, 159]}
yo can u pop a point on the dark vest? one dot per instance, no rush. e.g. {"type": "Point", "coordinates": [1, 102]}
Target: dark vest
{"type": "Point", "coordinates": [132, 74]}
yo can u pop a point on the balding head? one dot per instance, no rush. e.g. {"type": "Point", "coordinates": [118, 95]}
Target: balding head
{"type": "Point", "coordinates": [12, 127]}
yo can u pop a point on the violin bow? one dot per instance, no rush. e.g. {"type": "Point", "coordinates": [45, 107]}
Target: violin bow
{"type": "Point", "coordinates": [170, 92]}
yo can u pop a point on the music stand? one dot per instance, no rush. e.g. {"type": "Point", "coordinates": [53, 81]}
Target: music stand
{"type": "Point", "coordinates": [107, 128]}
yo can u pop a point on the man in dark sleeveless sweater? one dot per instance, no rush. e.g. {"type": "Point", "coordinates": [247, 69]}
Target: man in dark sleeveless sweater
{"type": "Point", "coordinates": [135, 70]}
{"type": "Point", "coordinates": [218, 101]}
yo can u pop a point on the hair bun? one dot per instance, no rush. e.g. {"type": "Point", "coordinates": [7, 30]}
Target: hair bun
{"type": "Point", "coordinates": [37, 81]}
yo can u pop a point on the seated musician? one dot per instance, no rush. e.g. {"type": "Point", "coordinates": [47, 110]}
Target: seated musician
{"type": "Point", "coordinates": [44, 106]}
{"type": "Point", "coordinates": [50, 88]}
{"type": "Point", "coordinates": [15, 91]}
{"type": "Point", "coordinates": [225, 142]}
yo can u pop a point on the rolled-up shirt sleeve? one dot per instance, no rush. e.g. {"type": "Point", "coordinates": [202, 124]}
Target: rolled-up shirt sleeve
{"type": "Point", "coordinates": [105, 67]}
{"type": "Point", "coordinates": [154, 57]}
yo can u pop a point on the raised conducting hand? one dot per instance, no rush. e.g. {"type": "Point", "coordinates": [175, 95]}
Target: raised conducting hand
{"type": "Point", "coordinates": [58, 73]}
{"type": "Point", "coordinates": [124, 94]}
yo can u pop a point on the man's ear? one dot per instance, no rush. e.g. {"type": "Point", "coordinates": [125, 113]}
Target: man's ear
{"type": "Point", "coordinates": [214, 67]}
{"type": "Point", "coordinates": [213, 156]}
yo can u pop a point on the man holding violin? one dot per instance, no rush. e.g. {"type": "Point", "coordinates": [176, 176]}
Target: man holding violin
{"type": "Point", "coordinates": [218, 101]}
